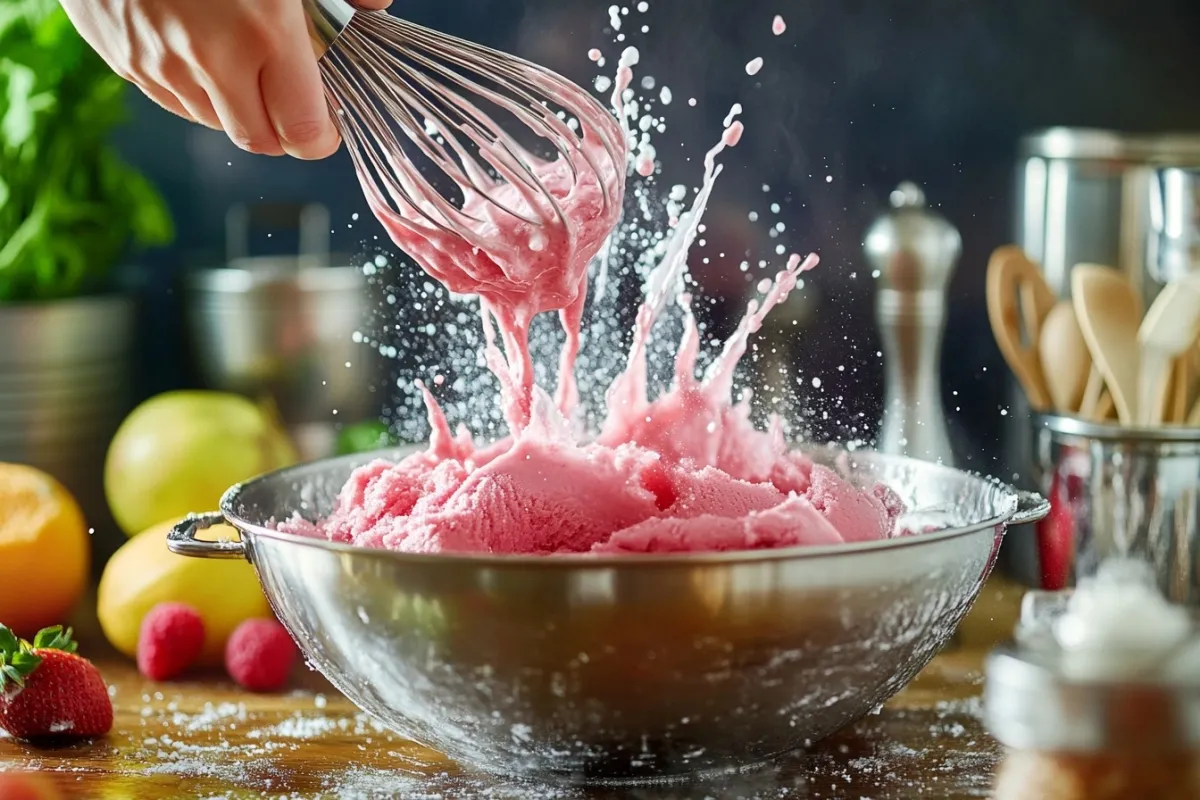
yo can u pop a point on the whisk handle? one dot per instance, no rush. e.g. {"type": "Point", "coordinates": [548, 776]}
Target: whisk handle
{"type": "Point", "coordinates": [326, 21]}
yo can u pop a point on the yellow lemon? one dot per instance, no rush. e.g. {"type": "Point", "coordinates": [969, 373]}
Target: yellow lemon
{"type": "Point", "coordinates": [44, 550]}
{"type": "Point", "coordinates": [179, 451]}
{"type": "Point", "coordinates": [144, 573]}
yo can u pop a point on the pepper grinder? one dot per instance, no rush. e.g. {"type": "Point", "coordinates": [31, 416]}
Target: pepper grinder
{"type": "Point", "coordinates": [914, 251]}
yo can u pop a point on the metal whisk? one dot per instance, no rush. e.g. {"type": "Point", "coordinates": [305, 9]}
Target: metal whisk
{"type": "Point", "coordinates": [387, 78]}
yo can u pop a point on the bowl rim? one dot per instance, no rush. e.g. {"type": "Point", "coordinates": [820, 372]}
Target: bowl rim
{"type": "Point", "coordinates": [585, 561]}
{"type": "Point", "coordinates": [1067, 425]}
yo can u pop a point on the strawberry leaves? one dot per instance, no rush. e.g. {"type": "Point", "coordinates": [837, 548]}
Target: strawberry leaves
{"type": "Point", "coordinates": [18, 659]}
{"type": "Point", "coordinates": [55, 639]}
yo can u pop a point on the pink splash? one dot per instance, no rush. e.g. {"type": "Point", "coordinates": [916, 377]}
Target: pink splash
{"type": "Point", "coordinates": [681, 472]}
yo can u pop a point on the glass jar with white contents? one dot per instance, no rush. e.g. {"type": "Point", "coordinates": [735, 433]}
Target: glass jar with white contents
{"type": "Point", "coordinates": [1098, 697]}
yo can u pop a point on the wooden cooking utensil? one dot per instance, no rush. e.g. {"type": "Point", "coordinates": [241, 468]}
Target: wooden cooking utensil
{"type": "Point", "coordinates": [1194, 418]}
{"type": "Point", "coordinates": [1181, 390]}
{"type": "Point", "coordinates": [1018, 302]}
{"type": "Point", "coordinates": [1106, 409]}
{"type": "Point", "coordinates": [1168, 332]}
{"type": "Point", "coordinates": [1065, 360]}
{"type": "Point", "coordinates": [1094, 392]}
{"type": "Point", "coordinates": [1109, 312]}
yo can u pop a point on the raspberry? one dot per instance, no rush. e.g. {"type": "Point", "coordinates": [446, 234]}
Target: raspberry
{"type": "Point", "coordinates": [170, 641]}
{"type": "Point", "coordinates": [259, 655]}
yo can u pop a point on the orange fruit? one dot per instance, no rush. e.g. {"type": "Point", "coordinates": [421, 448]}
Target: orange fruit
{"type": "Point", "coordinates": [44, 550]}
{"type": "Point", "coordinates": [27, 786]}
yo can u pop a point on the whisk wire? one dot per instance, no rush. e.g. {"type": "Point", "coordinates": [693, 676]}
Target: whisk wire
{"type": "Point", "coordinates": [387, 77]}
{"type": "Point", "coordinates": [399, 98]}
{"type": "Point", "coordinates": [362, 124]}
{"type": "Point", "coordinates": [531, 114]}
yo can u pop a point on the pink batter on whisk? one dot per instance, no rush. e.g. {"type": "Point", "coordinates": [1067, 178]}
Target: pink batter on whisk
{"type": "Point", "coordinates": [525, 226]}
{"type": "Point", "coordinates": [519, 269]}
{"type": "Point", "coordinates": [683, 472]}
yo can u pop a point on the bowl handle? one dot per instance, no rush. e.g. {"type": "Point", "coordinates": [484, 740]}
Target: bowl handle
{"type": "Point", "coordinates": [1031, 507]}
{"type": "Point", "coordinates": [182, 540]}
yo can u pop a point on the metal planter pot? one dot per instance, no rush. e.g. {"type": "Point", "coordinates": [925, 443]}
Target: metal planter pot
{"type": "Point", "coordinates": [66, 376]}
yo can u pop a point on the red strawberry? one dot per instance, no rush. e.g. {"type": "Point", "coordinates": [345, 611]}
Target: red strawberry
{"type": "Point", "coordinates": [47, 690]}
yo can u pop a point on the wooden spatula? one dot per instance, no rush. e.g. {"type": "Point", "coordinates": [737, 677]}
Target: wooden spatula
{"type": "Point", "coordinates": [1018, 302]}
{"type": "Point", "coordinates": [1094, 392]}
{"type": "Point", "coordinates": [1168, 332]}
{"type": "Point", "coordinates": [1109, 312]}
{"type": "Point", "coordinates": [1181, 390]}
{"type": "Point", "coordinates": [1065, 361]}
{"type": "Point", "coordinates": [1106, 410]}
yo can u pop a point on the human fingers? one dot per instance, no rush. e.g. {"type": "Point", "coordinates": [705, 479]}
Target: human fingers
{"type": "Point", "coordinates": [163, 98]}
{"type": "Point", "coordinates": [193, 106]}
{"type": "Point", "coordinates": [238, 104]}
{"type": "Point", "coordinates": [294, 96]}
{"type": "Point", "coordinates": [373, 5]}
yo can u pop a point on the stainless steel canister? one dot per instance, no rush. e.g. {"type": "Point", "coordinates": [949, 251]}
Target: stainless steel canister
{"type": "Point", "coordinates": [1114, 491]}
{"type": "Point", "coordinates": [284, 326]}
{"type": "Point", "coordinates": [1173, 248]}
{"type": "Point", "coordinates": [1107, 198]}
{"type": "Point", "coordinates": [1102, 197]}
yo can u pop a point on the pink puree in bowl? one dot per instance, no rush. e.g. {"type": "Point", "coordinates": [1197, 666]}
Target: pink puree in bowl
{"type": "Point", "coordinates": [682, 473]}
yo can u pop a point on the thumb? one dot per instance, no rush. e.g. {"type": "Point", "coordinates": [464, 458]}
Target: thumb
{"type": "Point", "coordinates": [372, 5]}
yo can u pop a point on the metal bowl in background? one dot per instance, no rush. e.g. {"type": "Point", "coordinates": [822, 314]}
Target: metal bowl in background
{"type": "Point", "coordinates": [615, 669]}
{"type": "Point", "coordinates": [1114, 491]}
{"type": "Point", "coordinates": [283, 327]}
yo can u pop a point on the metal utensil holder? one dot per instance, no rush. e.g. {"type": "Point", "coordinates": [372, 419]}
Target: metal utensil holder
{"type": "Point", "coordinates": [1114, 491]}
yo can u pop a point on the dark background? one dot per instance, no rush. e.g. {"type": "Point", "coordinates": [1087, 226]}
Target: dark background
{"type": "Point", "coordinates": [868, 93]}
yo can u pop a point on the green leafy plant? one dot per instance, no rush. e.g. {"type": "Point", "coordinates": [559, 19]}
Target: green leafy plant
{"type": "Point", "coordinates": [69, 206]}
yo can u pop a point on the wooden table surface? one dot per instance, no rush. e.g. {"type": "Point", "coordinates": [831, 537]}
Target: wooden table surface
{"type": "Point", "coordinates": [207, 739]}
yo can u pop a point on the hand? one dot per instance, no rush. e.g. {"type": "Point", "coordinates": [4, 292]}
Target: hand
{"type": "Point", "coordinates": [242, 66]}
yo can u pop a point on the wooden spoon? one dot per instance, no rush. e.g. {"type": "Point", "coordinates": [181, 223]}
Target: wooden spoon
{"type": "Point", "coordinates": [1194, 418]}
{"type": "Point", "coordinates": [1109, 312]}
{"type": "Point", "coordinates": [1106, 409]}
{"type": "Point", "coordinates": [1094, 392]}
{"type": "Point", "coordinates": [1018, 302]}
{"type": "Point", "coordinates": [1181, 390]}
{"type": "Point", "coordinates": [1168, 332]}
{"type": "Point", "coordinates": [1065, 360]}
